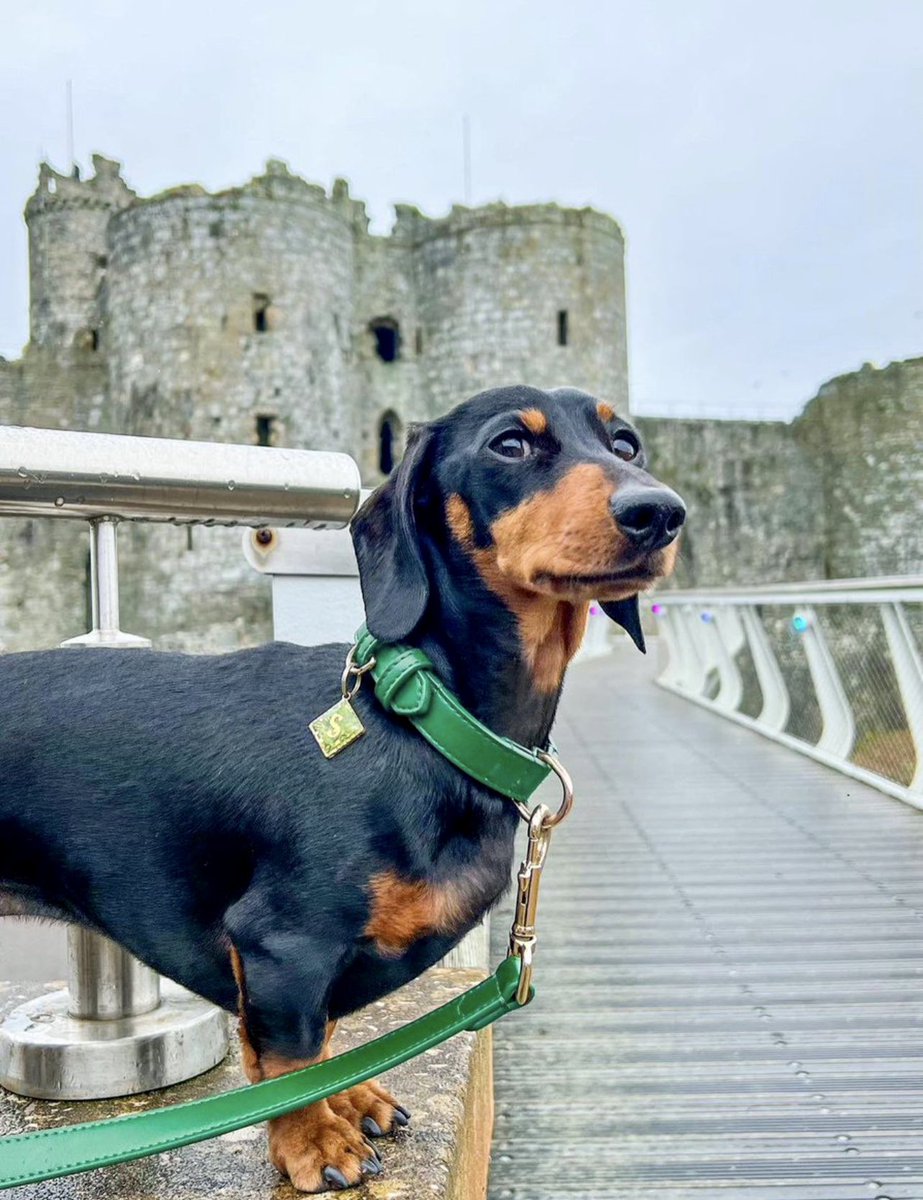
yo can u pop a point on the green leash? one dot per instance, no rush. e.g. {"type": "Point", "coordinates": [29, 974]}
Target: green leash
{"type": "Point", "coordinates": [48, 1154]}
{"type": "Point", "coordinates": [407, 685]}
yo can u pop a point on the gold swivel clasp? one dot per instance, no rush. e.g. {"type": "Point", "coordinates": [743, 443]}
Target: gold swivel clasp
{"type": "Point", "coordinates": [528, 882]}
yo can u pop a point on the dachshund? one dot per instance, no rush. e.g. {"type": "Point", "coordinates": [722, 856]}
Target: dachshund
{"type": "Point", "coordinates": [179, 805]}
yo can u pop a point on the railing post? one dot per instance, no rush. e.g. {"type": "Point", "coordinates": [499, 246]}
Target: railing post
{"type": "Point", "coordinates": [695, 652]}
{"type": "Point", "coordinates": [695, 668]}
{"type": "Point", "coordinates": [776, 703]}
{"type": "Point", "coordinates": [111, 1033]}
{"type": "Point", "coordinates": [672, 673]}
{"type": "Point", "coordinates": [839, 726]}
{"type": "Point", "coordinates": [104, 591]}
{"type": "Point", "coordinates": [720, 632]}
{"type": "Point", "coordinates": [909, 672]}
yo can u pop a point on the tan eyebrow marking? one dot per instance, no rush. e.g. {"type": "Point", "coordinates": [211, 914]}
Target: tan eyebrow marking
{"type": "Point", "coordinates": [534, 420]}
{"type": "Point", "coordinates": [606, 412]}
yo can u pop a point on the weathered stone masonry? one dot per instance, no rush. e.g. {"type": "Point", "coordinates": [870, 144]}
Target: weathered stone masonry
{"type": "Point", "coordinates": [269, 313]}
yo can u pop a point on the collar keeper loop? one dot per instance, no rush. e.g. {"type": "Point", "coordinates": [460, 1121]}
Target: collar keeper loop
{"type": "Point", "coordinates": [402, 685]}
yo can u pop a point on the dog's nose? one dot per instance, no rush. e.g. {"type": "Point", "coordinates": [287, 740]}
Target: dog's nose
{"type": "Point", "coordinates": [649, 517]}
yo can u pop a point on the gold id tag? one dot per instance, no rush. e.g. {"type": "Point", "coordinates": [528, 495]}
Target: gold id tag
{"type": "Point", "coordinates": [337, 728]}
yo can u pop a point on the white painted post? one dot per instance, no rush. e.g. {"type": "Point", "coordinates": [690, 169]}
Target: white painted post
{"type": "Point", "coordinates": [695, 668]}
{"type": "Point", "coordinates": [731, 688]}
{"type": "Point", "coordinates": [776, 703]}
{"type": "Point", "coordinates": [839, 726]}
{"type": "Point", "coordinates": [909, 672]}
{"type": "Point", "coordinates": [672, 673]}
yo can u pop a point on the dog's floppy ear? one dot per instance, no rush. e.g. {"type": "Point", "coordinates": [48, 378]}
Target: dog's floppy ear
{"type": "Point", "coordinates": [395, 585]}
{"type": "Point", "coordinates": [626, 614]}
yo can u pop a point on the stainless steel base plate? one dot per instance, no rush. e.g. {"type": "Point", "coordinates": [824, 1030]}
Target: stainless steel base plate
{"type": "Point", "coordinates": [47, 1053]}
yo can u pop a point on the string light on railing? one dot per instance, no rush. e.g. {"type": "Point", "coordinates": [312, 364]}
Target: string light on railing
{"type": "Point", "coordinates": [707, 616]}
{"type": "Point", "coordinates": [657, 610]}
{"type": "Point", "coordinates": [800, 623]}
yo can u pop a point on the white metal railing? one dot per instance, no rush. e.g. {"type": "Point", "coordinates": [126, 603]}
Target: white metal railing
{"type": "Point", "coordinates": [831, 669]}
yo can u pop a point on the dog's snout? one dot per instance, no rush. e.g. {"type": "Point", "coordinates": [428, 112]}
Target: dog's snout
{"type": "Point", "coordinates": [649, 517]}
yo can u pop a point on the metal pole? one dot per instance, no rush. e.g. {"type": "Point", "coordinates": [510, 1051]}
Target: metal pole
{"type": "Point", "coordinates": [104, 591]}
{"type": "Point", "coordinates": [104, 982]}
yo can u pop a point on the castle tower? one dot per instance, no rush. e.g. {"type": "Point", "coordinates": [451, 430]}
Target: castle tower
{"type": "Point", "coordinates": [230, 315]}
{"type": "Point", "coordinates": [532, 294]}
{"type": "Point", "coordinates": [447, 307]}
{"type": "Point", "coordinates": [68, 220]}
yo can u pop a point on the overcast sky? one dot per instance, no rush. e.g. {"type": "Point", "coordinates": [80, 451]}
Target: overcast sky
{"type": "Point", "coordinates": [762, 157]}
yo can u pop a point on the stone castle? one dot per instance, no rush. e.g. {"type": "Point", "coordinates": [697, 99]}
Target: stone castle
{"type": "Point", "coordinates": [269, 313]}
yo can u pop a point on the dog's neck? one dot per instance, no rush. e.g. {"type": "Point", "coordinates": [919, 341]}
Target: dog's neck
{"type": "Point", "coordinates": [503, 657]}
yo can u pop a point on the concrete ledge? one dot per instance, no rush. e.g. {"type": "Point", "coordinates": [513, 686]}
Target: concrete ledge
{"type": "Point", "coordinates": [444, 1154]}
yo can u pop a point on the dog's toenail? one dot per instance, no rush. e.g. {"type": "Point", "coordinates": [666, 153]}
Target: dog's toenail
{"type": "Point", "coordinates": [373, 1152]}
{"type": "Point", "coordinates": [371, 1167]}
{"type": "Point", "coordinates": [334, 1177]}
{"type": "Point", "coordinates": [401, 1115]}
{"type": "Point", "coordinates": [370, 1128]}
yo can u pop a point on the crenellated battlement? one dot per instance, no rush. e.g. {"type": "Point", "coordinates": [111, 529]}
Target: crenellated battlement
{"type": "Point", "coordinates": [104, 189]}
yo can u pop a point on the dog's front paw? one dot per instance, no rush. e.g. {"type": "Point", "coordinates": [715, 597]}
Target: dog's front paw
{"type": "Point", "coordinates": [320, 1151]}
{"type": "Point", "coordinates": [370, 1109]}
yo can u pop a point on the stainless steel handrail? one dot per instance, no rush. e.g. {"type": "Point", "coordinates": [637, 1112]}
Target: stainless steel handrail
{"type": "Point", "coordinates": [61, 473]}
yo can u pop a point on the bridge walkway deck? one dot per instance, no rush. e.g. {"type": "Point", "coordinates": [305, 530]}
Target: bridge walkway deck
{"type": "Point", "coordinates": [730, 973]}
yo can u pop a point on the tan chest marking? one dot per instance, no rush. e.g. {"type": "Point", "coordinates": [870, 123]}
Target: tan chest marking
{"type": "Point", "coordinates": [405, 910]}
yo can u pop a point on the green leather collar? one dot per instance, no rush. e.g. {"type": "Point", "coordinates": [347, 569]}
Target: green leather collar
{"type": "Point", "coordinates": [407, 685]}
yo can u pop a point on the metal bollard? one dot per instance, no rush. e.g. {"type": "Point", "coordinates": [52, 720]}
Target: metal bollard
{"type": "Point", "coordinates": [115, 1031]}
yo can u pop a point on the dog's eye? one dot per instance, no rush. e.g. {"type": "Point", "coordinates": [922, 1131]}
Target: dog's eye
{"type": "Point", "coordinates": [625, 445]}
{"type": "Point", "coordinates": [512, 445]}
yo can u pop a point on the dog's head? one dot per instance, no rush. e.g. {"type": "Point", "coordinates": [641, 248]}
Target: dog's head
{"type": "Point", "coordinates": [546, 492]}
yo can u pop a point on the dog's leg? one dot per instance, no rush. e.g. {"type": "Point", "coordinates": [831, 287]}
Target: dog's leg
{"type": "Point", "coordinates": [317, 1148]}
{"type": "Point", "coordinates": [284, 968]}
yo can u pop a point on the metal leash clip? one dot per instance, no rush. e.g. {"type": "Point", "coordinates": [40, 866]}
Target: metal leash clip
{"type": "Point", "coordinates": [522, 933]}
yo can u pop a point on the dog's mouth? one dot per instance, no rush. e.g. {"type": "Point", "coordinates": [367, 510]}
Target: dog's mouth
{"type": "Point", "coordinates": [603, 585]}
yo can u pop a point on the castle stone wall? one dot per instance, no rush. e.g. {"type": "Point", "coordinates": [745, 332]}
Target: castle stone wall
{"type": "Point", "coordinates": [386, 291]}
{"type": "Point", "coordinates": [837, 494]}
{"type": "Point", "coordinates": [755, 499]}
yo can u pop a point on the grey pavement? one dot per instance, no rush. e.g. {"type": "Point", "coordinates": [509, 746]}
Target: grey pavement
{"type": "Point", "coordinates": [729, 974]}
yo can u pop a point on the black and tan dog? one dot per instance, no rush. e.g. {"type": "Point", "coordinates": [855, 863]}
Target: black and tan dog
{"type": "Point", "coordinates": [179, 804]}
